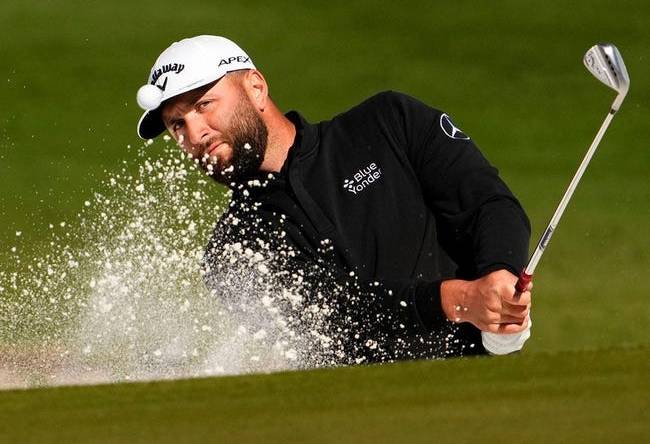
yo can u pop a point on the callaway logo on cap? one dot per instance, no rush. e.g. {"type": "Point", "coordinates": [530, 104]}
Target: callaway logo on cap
{"type": "Point", "coordinates": [184, 66]}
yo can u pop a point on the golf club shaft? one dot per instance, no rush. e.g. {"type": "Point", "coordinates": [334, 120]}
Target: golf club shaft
{"type": "Point", "coordinates": [527, 274]}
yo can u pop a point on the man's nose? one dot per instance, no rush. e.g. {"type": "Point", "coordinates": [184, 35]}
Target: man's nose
{"type": "Point", "coordinates": [197, 130]}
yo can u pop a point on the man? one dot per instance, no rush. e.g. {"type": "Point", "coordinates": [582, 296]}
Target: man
{"type": "Point", "coordinates": [386, 217]}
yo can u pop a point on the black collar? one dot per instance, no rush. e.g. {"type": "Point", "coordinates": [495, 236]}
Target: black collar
{"type": "Point", "coordinates": [306, 134]}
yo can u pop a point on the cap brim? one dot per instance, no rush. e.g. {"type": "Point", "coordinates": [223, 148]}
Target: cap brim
{"type": "Point", "coordinates": [151, 124]}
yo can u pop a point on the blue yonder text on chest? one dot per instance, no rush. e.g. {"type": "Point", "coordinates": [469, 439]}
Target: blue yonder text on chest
{"type": "Point", "coordinates": [362, 178]}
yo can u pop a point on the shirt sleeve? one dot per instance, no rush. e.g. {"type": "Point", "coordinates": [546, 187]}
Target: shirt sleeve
{"type": "Point", "coordinates": [481, 225]}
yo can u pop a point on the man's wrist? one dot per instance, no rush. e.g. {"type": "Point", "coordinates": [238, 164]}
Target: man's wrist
{"type": "Point", "coordinates": [452, 299]}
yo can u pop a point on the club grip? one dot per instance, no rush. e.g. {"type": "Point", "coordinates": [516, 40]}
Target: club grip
{"type": "Point", "coordinates": [524, 280]}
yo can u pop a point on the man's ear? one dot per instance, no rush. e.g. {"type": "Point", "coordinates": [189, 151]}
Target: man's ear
{"type": "Point", "coordinates": [257, 89]}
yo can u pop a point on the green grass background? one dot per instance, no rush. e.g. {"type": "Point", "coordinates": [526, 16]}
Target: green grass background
{"type": "Point", "coordinates": [509, 72]}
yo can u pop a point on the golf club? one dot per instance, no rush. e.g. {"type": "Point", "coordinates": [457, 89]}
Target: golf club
{"type": "Point", "coordinates": [605, 62]}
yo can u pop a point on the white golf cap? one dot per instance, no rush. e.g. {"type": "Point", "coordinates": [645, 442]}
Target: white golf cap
{"type": "Point", "coordinates": [184, 66]}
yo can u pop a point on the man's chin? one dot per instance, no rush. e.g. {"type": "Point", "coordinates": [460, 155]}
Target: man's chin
{"type": "Point", "coordinates": [229, 173]}
{"type": "Point", "coordinates": [223, 176]}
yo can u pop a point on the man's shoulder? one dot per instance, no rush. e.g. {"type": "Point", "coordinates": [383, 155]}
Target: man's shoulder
{"type": "Point", "coordinates": [389, 106]}
{"type": "Point", "coordinates": [386, 97]}
{"type": "Point", "coordinates": [383, 100]}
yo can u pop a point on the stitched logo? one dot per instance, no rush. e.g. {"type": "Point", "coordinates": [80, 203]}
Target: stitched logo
{"type": "Point", "coordinates": [362, 179]}
{"type": "Point", "coordinates": [170, 67]}
{"type": "Point", "coordinates": [450, 129]}
{"type": "Point", "coordinates": [164, 85]}
{"type": "Point", "coordinates": [229, 60]}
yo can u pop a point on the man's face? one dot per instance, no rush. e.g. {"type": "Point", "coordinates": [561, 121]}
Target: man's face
{"type": "Point", "coordinates": [219, 125]}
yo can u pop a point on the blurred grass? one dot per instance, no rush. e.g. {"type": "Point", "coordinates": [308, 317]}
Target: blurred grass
{"type": "Point", "coordinates": [577, 397]}
{"type": "Point", "coordinates": [509, 73]}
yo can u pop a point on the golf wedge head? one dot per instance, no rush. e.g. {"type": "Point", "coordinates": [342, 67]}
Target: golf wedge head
{"type": "Point", "coordinates": [605, 62]}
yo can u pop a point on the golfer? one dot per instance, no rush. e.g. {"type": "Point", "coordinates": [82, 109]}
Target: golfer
{"type": "Point", "coordinates": [387, 213]}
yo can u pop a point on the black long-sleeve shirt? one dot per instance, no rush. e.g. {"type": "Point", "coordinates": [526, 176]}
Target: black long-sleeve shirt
{"type": "Point", "coordinates": [370, 212]}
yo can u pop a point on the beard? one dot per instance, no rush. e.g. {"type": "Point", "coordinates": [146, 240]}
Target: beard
{"type": "Point", "coordinates": [248, 137]}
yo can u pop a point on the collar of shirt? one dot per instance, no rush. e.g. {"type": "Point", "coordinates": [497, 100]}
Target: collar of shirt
{"type": "Point", "coordinates": [305, 142]}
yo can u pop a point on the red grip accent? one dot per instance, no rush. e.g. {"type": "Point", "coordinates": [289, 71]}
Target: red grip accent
{"type": "Point", "coordinates": [524, 280]}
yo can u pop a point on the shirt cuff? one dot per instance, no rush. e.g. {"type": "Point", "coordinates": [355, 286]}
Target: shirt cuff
{"type": "Point", "coordinates": [428, 305]}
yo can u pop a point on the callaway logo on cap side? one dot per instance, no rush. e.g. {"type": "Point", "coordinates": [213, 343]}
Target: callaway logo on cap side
{"type": "Point", "coordinates": [170, 67]}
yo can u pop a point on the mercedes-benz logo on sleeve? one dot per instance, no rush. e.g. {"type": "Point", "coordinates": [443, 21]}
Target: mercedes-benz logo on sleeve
{"type": "Point", "coordinates": [450, 129]}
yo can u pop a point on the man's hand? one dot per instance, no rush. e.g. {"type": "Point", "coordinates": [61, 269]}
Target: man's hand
{"type": "Point", "coordinates": [490, 303]}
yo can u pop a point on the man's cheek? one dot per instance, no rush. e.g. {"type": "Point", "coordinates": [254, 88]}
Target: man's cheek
{"type": "Point", "coordinates": [180, 141]}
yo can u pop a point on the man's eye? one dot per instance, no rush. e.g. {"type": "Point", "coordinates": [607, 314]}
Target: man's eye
{"type": "Point", "coordinates": [203, 105]}
{"type": "Point", "coordinates": [177, 126]}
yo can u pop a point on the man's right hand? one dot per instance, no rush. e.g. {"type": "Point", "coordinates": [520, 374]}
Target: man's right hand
{"type": "Point", "coordinates": [490, 303]}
